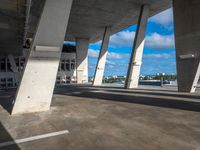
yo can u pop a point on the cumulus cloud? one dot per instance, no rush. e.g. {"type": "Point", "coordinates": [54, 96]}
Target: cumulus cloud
{"type": "Point", "coordinates": [164, 18]}
{"type": "Point", "coordinates": [159, 56]}
{"type": "Point", "coordinates": [160, 42]}
{"type": "Point", "coordinates": [113, 55]}
{"type": "Point", "coordinates": [108, 62]}
{"type": "Point", "coordinates": [154, 41]}
{"type": "Point", "coordinates": [95, 54]}
{"type": "Point", "coordinates": [122, 39]}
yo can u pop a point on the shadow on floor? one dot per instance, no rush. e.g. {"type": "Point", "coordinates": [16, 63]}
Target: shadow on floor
{"type": "Point", "coordinates": [6, 137]}
{"type": "Point", "coordinates": [141, 87]}
{"type": "Point", "coordinates": [159, 93]}
{"type": "Point", "coordinates": [7, 99]}
{"type": "Point", "coordinates": [136, 99]}
{"type": "Point", "coordinates": [156, 92]}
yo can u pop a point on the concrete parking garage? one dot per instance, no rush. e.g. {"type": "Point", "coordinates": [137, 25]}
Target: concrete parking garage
{"type": "Point", "coordinates": [84, 117]}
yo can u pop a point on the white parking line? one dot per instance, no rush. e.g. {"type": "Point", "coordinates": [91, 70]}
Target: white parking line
{"type": "Point", "coordinates": [68, 93]}
{"type": "Point", "coordinates": [76, 93]}
{"type": "Point", "coordinates": [98, 91]}
{"type": "Point", "coordinates": [33, 138]}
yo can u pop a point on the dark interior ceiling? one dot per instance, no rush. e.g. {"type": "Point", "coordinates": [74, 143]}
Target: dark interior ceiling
{"type": "Point", "coordinates": [88, 19]}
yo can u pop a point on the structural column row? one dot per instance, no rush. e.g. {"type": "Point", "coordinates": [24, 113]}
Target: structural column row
{"type": "Point", "coordinates": [37, 84]}
{"type": "Point", "coordinates": [187, 36]}
{"type": "Point", "coordinates": [136, 57]}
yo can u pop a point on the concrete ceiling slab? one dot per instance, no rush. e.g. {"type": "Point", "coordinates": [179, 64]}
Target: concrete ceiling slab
{"type": "Point", "coordinates": [12, 17]}
{"type": "Point", "coordinates": [88, 18]}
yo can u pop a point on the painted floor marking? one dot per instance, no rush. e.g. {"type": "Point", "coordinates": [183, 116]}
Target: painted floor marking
{"type": "Point", "coordinates": [68, 93]}
{"type": "Point", "coordinates": [98, 91]}
{"type": "Point", "coordinates": [33, 138]}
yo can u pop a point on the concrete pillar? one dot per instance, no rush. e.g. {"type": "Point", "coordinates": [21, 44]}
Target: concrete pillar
{"type": "Point", "coordinates": [187, 42]}
{"type": "Point", "coordinates": [99, 72]}
{"type": "Point", "coordinates": [82, 60]}
{"type": "Point", "coordinates": [37, 84]}
{"type": "Point", "coordinates": [133, 73]}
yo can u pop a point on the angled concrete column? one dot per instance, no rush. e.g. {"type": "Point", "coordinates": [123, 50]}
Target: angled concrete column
{"type": "Point", "coordinates": [37, 84]}
{"type": "Point", "coordinates": [82, 60]}
{"type": "Point", "coordinates": [98, 76]}
{"type": "Point", "coordinates": [133, 73]}
{"type": "Point", "coordinates": [187, 42]}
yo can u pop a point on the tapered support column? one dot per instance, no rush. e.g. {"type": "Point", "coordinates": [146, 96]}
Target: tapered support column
{"type": "Point", "coordinates": [187, 41]}
{"type": "Point", "coordinates": [82, 60]}
{"type": "Point", "coordinates": [98, 77]}
{"type": "Point", "coordinates": [37, 84]}
{"type": "Point", "coordinates": [137, 51]}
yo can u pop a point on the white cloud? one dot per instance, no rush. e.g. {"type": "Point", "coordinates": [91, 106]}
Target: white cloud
{"type": "Point", "coordinates": [95, 54]}
{"type": "Point", "coordinates": [154, 41]}
{"type": "Point", "coordinates": [113, 55]}
{"type": "Point", "coordinates": [159, 56]}
{"type": "Point", "coordinates": [122, 39]}
{"type": "Point", "coordinates": [164, 18]}
{"type": "Point", "coordinates": [108, 62]}
{"type": "Point", "coordinates": [160, 42]}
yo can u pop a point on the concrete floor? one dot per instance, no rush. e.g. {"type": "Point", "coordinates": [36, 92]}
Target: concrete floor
{"type": "Point", "coordinates": [107, 119]}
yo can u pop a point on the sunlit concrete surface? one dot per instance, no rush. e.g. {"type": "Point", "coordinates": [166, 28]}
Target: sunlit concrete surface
{"type": "Point", "coordinates": [100, 118]}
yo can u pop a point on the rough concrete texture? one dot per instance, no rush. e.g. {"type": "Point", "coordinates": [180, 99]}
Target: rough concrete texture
{"type": "Point", "coordinates": [187, 36]}
{"type": "Point", "coordinates": [82, 60]}
{"type": "Point", "coordinates": [12, 18]}
{"type": "Point", "coordinates": [108, 119]}
{"type": "Point", "coordinates": [101, 62]}
{"type": "Point", "coordinates": [87, 19]}
{"type": "Point", "coordinates": [37, 83]}
{"type": "Point", "coordinates": [135, 63]}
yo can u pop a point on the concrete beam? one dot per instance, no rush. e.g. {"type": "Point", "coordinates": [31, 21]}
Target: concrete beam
{"type": "Point", "coordinates": [98, 76]}
{"type": "Point", "coordinates": [133, 73]}
{"type": "Point", "coordinates": [187, 42]}
{"type": "Point", "coordinates": [82, 60]}
{"type": "Point", "coordinates": [37, 84]}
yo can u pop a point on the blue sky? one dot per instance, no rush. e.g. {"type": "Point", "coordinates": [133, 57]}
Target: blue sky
{"type": "Point", "coordinates": [159, 51]}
